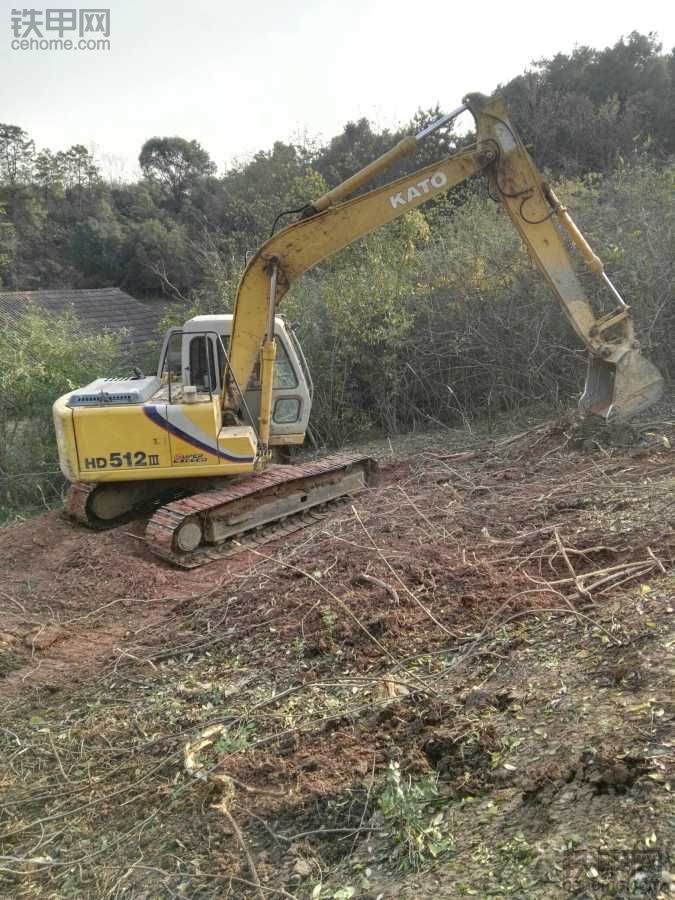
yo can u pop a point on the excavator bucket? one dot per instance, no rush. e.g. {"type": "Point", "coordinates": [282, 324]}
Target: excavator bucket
{"type": "Point", "coordinates": [622, 389]}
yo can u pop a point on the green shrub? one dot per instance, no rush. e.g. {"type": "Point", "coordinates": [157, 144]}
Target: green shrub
{"type": "Point", "coordinates": [415, 828]}
{"type": "Point", "coordinates": [441, 315]}
{"type": "Point", "coordinates": [43, 357]}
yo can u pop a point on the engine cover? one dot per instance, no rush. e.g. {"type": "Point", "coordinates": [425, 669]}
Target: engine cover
{"type": "Point", "coordinates": [115, 392]}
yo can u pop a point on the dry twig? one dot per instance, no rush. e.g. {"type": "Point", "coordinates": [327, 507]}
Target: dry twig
{"type": "Point", "coordinates": [370, 579]}
{"type": "Point", "coordinates": [581, 590]}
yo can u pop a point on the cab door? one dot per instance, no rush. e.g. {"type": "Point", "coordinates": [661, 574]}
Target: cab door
{"type": "Point", "coordinates": [194, 416]}
{"type": "Point", "coordinates": [291, 402]}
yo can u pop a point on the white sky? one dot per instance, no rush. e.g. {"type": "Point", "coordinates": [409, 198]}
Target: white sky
{"type": "Point", "coordinates": [236, 76]}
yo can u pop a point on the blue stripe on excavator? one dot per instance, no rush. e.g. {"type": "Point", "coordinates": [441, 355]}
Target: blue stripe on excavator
{"type": "Point", "coordinates": [155, 416]}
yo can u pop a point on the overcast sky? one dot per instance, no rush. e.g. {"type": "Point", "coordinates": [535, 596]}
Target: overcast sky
{"type": "Point", "coordinates": [236, 76]}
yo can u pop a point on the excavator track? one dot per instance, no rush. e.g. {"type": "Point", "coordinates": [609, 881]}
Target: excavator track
{"type": "Point", "coordinates": [216, 524]}
{"type": "Point", "coordinates": [77, 500]}
{"type": "Point", "coordinates": [103, 506]}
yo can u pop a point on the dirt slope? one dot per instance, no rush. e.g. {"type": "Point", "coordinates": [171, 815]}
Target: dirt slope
{"type": "Point", "coordinates": [458, 685]}
{"type": "Point", "coordinates": [73, 598]}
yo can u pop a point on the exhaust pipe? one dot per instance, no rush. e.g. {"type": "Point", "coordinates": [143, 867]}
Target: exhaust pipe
{"type": "Point", "coordinates": [620, 389]}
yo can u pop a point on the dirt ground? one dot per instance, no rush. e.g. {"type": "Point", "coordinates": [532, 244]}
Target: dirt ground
{"type": "Point", "coordinates": [460, 683]}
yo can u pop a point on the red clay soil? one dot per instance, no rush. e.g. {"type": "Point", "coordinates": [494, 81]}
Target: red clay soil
{"type": "Point", "coordinates": [72, 597]}
{"type": "Point", "coordinates": [76, 601]}
{"type": "Point", "coordinates": [357, 642]}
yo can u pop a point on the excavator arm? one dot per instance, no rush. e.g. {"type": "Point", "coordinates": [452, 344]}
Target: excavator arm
{"type": "Point", "coordinates": [620, 382]}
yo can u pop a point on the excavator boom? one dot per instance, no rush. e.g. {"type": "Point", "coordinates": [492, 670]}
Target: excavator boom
{"type": "Point", "coordinates": [620, 381]}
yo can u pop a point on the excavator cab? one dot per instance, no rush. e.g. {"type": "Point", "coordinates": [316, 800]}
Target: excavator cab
{"type": "Point", "coordinates": [194, 357]}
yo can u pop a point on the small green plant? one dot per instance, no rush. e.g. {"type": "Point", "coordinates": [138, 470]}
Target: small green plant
{"type": "Point", "coordinates": [341, 893]}
{"type": "Point", "coordinates": [328, 616]}
{"type": "Point", "coordinates": [329, 619]}
{"type": "Point", "coordinates": [236, 741]}
{"type": "Point", "coordinates": [299, 647]}
{"type": "Point", "coordinates": [417, 832]}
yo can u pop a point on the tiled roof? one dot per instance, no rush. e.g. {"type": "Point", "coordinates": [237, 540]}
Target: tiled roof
{"type": "Point", "coordinates": [97, 310]}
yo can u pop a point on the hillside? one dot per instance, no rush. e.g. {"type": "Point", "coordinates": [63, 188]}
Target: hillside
{"type": "Point", "coordinates": [458, 684]}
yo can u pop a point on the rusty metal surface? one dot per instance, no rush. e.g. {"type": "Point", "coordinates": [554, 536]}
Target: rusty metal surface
{"type": "Point", "coordinates": [77, 500]}
{"type": "Point", "coordinates": [80, 502]}
{"type": "Point", "coordinates": [623, 389]}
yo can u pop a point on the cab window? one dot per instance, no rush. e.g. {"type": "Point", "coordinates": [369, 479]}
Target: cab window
{"type": "Point", "coordinates": [284, 373]}
{"type": "Point", "coordinates": [202, 363]}
{"type": "Point", "coordinates": [286, 410]}
{"type": "Point", "coordinates": [172, 367]}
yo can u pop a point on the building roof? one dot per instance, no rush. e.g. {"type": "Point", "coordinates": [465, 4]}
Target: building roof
{"type": "Point", "coordinates": [97, 310]}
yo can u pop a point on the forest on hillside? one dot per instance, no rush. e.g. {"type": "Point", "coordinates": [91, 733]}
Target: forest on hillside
{"type": "Point", "coordinates": [183, 228]}
{"type": "Point", "coordinates": [400, 329]}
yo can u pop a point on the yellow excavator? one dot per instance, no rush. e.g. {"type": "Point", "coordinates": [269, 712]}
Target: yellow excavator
{"type": "Point", "coordinates": [197, 439]}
